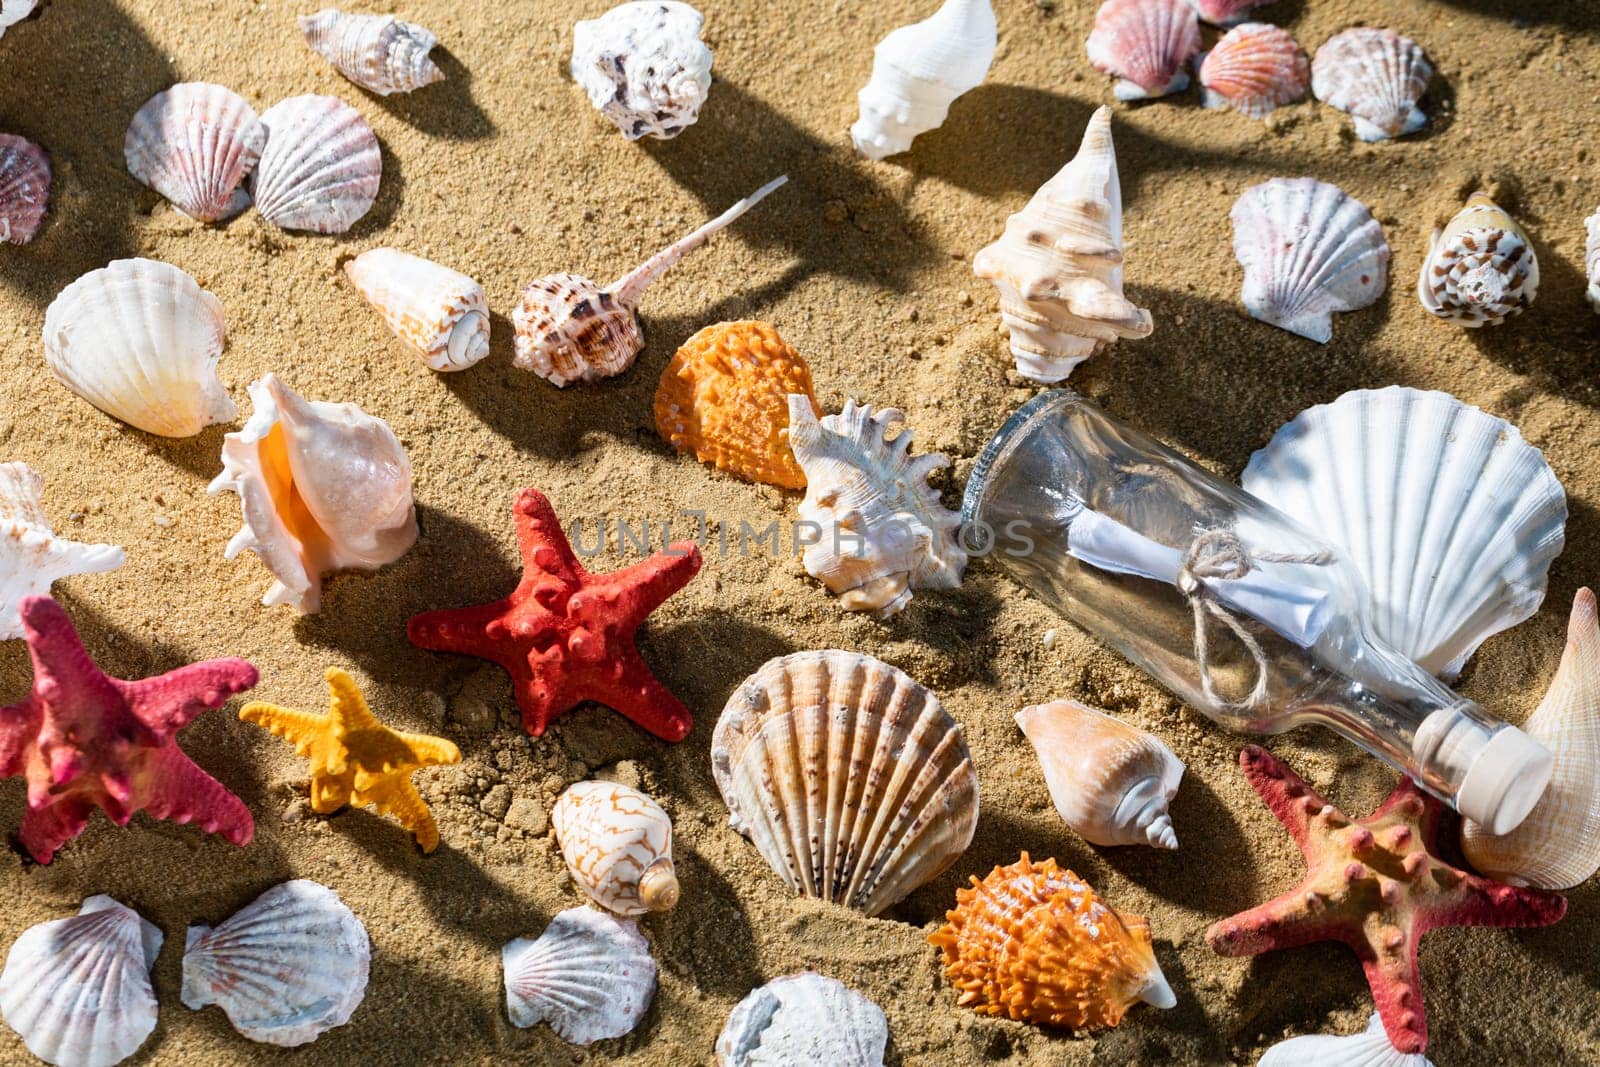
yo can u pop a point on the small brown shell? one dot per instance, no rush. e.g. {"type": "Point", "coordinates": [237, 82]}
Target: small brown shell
{"type": "Point", "coordinates": [571, 330]}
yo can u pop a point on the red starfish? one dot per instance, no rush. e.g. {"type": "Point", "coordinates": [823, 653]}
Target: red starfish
{"type": "Point", "coordinates": [1377, 884]}
{"type": "Point", "coordinates": [84, 740]}
{"type": "Point", "coordinates": [565, 635]}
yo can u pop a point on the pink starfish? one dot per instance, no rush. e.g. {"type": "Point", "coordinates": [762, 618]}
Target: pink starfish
{"type": "Point", "coordinates": [84, 740]}
{"type": "Point", "coordinates": [1377, 884]}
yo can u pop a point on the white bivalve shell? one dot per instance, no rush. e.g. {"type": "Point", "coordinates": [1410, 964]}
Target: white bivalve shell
{"type": "Point", "coordinates": [589, 975]}
{"type": "Point", "coordinates": [77, 990]}
{"type": "Point", "coordinates": [286, 968]}
{"type": "Point", "coordinates": [1449, 515]}
{"type": "Point", "coordinates": [1376, 76]}
{"type": "Point", "coordinates": [851, 779]}
{"type": "Point", "coordinates": [1110, 781]}
{"type": "Point", "coordinates": [1370, 1048]}
{"type": "Point", "coordinates": [617, 843]}
{"type": "Point", "coordinates": [804, 1018]}
{"type": "Point", "coordinates": [440, 313]}
{"type": "Point", "coordinates": [323, 487]}
{"type": "Point", "coordinates": [321, 167]}
{"type": "Point", "coordinates": [917, 73]}
{"type": "Point", "coordinates": [1308, 249]}
{"type": "Point", "coordinates": [13, 12]}
{"type": "Point", "coordinates": [377, 52]}
{"type": "Point", "coordinates": [1592, 258]}
{"type": "Point", "coordinates": [194, 144]}
{"type": "Point", "coordinates": [140, 340]}
{"type": "Point", "coordinates": [644, 67]}
{"type": "Point", "coordinates": [1480, 269]}
{"type": "Point", "coordinates": [32, 557]}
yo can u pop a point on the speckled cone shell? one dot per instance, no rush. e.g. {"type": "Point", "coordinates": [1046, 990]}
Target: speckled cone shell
{"type": "Point", "coordinates": [321, 167]}
{"type": "Point", "coordinates": [1255, 69]}
{"type": "Point", "coordinates": [589, 975]}
{"type": "Point", "coordinates": [644, 67]}
{"type": "Point", "coordinates": [1370, 1048]}
{"type": "Point", "coordinates": [32, 557]}
{"type": "Point", "coordinates": [77, 990]}
{"type": "Point", "coordinates": [1110, 781]}
{"type": "Point", "coordinates": [441, 314]}
{"type": "Point", "coordinates": [617, 843]}
{"type": "Point", "coordinates": [1058, 265]}
{"type": "Point", "coordinates": [804, 1019]}
{"type": "Point", "coordinates": [194, 144]}
{"type": "Point", "coordinates": [1225, 12]}
{"type": "Point", "coordinates": [725, 397]}
{"type": "Point", "coordinates": [1376, 76]}
{"type": "Point", "coordinates": [917, 73]}
{"type": "Point", "coordinates": [1481, 269]}
{"type": "Point", "coordinates": [1558, 845]}
{"type": "Point", "coordinates": [851, 779]}
{"type": "Point", "coordinates": [377, 52]}
{"type": "Point", "coordinates": [1592, 258]}
{"type": "Point", "coordinates": [1146, 44]}
{"type": "Point", "coordinates": [1033, 942]}
{"type": "Point", "coordinates": [24, 188]}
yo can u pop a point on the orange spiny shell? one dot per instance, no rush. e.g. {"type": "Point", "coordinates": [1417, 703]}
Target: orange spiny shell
{"type": "Point", "coordinates": [724, 396]}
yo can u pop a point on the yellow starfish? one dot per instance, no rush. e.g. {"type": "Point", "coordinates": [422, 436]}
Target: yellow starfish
{"type": "Point", "coordinates": [355, 759]}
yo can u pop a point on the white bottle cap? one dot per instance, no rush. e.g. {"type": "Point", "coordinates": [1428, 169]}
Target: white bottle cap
{"type": "Point", "coordinates": [1505, 781]}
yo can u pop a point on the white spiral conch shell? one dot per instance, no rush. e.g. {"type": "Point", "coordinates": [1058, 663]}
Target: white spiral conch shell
{"type": "Point", "coordinates": [13, 12]}
{"type": "Point", "coordinates": [804, 1018]}
{"type": "Point", "coordinates": [324, 487]}
{"type": "Point", "coordinates": [1376, 76]}
{"type": "Point", "coordinates": [1110, 781]}
{"type": "Point", "coordinates": [917, 73]}
{"type": "Point", "coordinates": [321, 166]}
{"type": "Point", "coordinates": [194, 144]}
{"type": "Point", "coordinates": [644, 67]}
{"type": "Point", "coordinates": [1558, 845]}
{"type": "Point", "coordinates": [1058, 265]}
{"type": "Point", "coordinates": [850, 779]}
{"type": "Point", "coordinates": [880, 528]}
{"type": "Point", "coordinates": [617, 843]}
{"type": "Point", "coordinates": [286, 968]}
{"type": "Point", "coordinates": [32, 557]}
{"type": "Point", "coordinates": [1480, 269]}
{"type": "Point", "coordinates": [140, 340]}
{"type": "Point", "coordinates": [1370, 1048]}
{"type": "Point", "coordinates": [377, 52]}
{"type": "Point", "coordinates": [589, 975]}
{"type": "Point", "coordinates": [441, 314]}
{"type": "Point", "coordinates": [77, 990]}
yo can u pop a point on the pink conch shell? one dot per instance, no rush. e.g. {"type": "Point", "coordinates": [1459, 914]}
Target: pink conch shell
{"type": "Point", "coordinates": [440, 313]}
{"type": "Point", "coordinates": [321, 167]}
{"type": "Point", "coordinates": [32, 557]}
{"type": "Point", "coordinates": [1225, 12]}
{"type": "Point", "coordinates": [24, 188]}
{"type": "Point", "coordinates": [1146, 44]}
{"type": "Point", "coordinates": [194, 144]}
{"type": "Point", "coordinates": [1481, 269]}
{"type": "Point", "coordinates": [377, 52]}
{"type": "Point", "coordinates": [618, 846]}
{"type": "Point", "coordinates": [1255, 69]}
{"type": "Point", "coordinates": [1377, 77]}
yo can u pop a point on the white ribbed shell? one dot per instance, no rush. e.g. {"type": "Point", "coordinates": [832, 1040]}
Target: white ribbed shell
{"type": "Point", "coordinates": [441, 314]}
{"type": "Point", "coordinates": [321, 166]}
{"type": "Point", "coordinates": [644, 66]}
{"type": "Point", "coordinates": [1377, 77]}
{"type": "Point", "coordinates": [917, 73]}
{"type": "Point", "coordinates": [194, 144]}
{"type": "Point", "coordinates": [804, 1019]}
{"type": "Point", "coordinates": [32, 557]}
{"type": "Point", "coordinates": [589, 975]}
{"type": "Point", "coordinates": [1370, 1048]}
{"type": "Point", "coordinates": [377, 52]}
{"type": "Point", "coordinates": [617, 843]}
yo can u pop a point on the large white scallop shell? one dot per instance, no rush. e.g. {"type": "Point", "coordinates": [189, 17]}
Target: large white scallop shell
{"type": "Point", "coordinates": [321, 166]}
{"type": "Point", "coordinates": [13, 12]}
{"type": "Point", "coordinates": [323, 487]}
{"type": "Point", "coordinates": [1377, 77]}
{"type": "Point", "coordinates": [140, 340]}
{"type": "Point", "coordinates": [194, 144]}
{"type": "Point", "coordinates": [1480, 269]}
{"type": "Point", "coordinates": [804, 1018]}
{"type": "Point", "coordinates": [589, 975]}
{"type": "Point", "coordinates": [618, 846]}
{"type": "Point", "coordinates": [1145, 44]}
{"type": "Point", "coordinates": [78, 990]}
{"type": "Point", "coordinates": [32, 557]}
{"type": "Point", "coordinates": [917, 73]}
{"type": "Point", "coordinates": [440, 313]}
{"type": "Point", "coordinates": [851, 779]}
{"type": "Point", "coordinates": [1308, 249]}
{"type": "Point", "coordinates": [1370, 1048]}
{"type": "Point", "coordinates": [377, 52]}
{"type": "Point", "coordinates": [1449, 515]}
{"type": "Point", "coordinates": [286, 968]}
{"type": "Point", "coordinates": [25, 178]}
{"type": "Point", "coordinates": [644, 66]}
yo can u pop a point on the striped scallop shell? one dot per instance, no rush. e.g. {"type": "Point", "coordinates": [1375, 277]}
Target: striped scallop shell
{"type": "Point", "coordinates": [1481, 269]}
{"type": "Point", "coordinates": [617, 843]}
{"type": "Point", "coordinates": [441, 314]}
{"type": "Point", "coordinates": [589, 975]}
{"type": "Point", "coordinates": [32, 557]}
{"type": "Point", "coordinates": [1146, 44]}
{"type": "Point", "coordinates": [1370, 1048]}
{"type": "Point", "coordinates": [1255, 69]}
{"type": "Point", "coordinates": [804, 1018]}
{"type": "Point", "coordinates": [194, 144]}
{"type": "Point", "coordinates": [1225, 12]}
{"type": "Point", "coordinates": [321, 166]}
{"type": "Point", "coordinates": [377, 52]}
{"type": "Point", "coordinates": [1377, 77]}
{"type": "Point", "coordinates": [24, 188]}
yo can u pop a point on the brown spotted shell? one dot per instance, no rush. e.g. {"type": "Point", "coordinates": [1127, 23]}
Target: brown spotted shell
{"type": "Point", "coordinates": [1481, 268]}
{"type": "Point", "coordinates": [569, 329]}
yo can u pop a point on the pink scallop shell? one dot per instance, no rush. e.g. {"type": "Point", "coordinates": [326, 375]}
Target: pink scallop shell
{"type": "Point", "coordinates": [1145, 43]}
{"type": "Point", "coordinates": [1225, 12]}
{"type": "Point", "coordinates": [24, 188]}
{"type": "Point", "coordinates": [1376, 76]}
{"type": "Point", "coordinates": [1255, 69]}
{"type": "Point", "coordinates": [194, 144]}
{"type": "Point", "coordinates": [321, 168]}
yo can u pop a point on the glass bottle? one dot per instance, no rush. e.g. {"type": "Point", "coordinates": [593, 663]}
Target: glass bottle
{"type": "Point", "coordinates": [1227, 602]}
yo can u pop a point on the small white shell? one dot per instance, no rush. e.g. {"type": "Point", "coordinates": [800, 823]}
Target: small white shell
{"type": "Point", "coordinates": [804, 1018]}
{"type": "Point", "coordinates": [1145, 44]}
{"type": "Point", "coordinates": [1480, 269]}
{"type": "Point", "coordinates": [323, 487]}
{"type": "Point", "coordinates": [78, 990]}
{"type": "Point", "coordinates": [1592, 258]}
{"type": "Point", "coordinates": [1370, 1048]}
{"type": "Point", "coordinates": [286, 968]}
{"type": "Point", "coordinates": [440, 313]}
{"type": "Point", "coordinates": [32, 557]}
{"type": "Point", "coordinates": [589, 975]}
{"type": "Point", "coordinates": [24, 188]}
{"type": "Point", "coordinates": [194, 144]}
{"type": "Point", "coordinates": [13, 12]}
{"type": "Point", "coordinates": [618, 846]}
{"type": "Point", "coordinates": [321, 166]}
{"type": "Point", "coordinates": [644, 66]}
{"type": "Point", "coordinates": [377, 52]}
{"type": "Point", "coordinates": [1308, 249]}
{"type": "Point", "coordinates": [1377, 77]}
{"type": "Point", "coordinates": [140, 340]}
{"type": "Point", "coordinates": [917, 73]}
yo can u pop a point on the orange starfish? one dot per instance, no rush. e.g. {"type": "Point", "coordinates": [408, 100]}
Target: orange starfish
{"type": "Point", "coordinates": [355, 759]}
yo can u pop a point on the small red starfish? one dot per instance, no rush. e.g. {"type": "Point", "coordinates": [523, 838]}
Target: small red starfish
{"type": "Point", "coordinates": [84, 740]}
{"type": "Point", "coordinates": [565, 635]}
{"type": "Point", "coordinates": [1377, 884]}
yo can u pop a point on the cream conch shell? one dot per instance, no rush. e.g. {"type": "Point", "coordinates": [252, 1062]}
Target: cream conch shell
{"type": "Point", "coordinates": [440, 313]}
{"type": "Point", "coordinates": [618, 846]}
{"type": "Point", "coordinates": [377, 52]}
{"type": "Point", "coordinates": [1058, 265]}
{"type": "Point", "coordinates": [1110, 781]}
{"type": "Point", "coordinates": [644, 66]}
{"type": "Point", "coordinates": [1481, 269]}
{"type": "Point", "coordinates": [32, 557]}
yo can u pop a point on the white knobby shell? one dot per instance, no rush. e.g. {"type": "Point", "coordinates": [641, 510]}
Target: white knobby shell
{"type": "Point", "coordinates": [321, 166]}
{"type": "Point", "coordinates": [851, 779]}
{"type": "Point", "coordinates": [1145, 44]}
{"type": "Point", "coordinates": [1480, 269]}
{"type": "Point", "coordinates": [1376, 76]}
{"type": "Point", "coordinates": [804, 1018]}
{"type": "Point", "coordinates": [32, 557]}
{"type": "Point", "coordinates": [917, 73]}
{"type": "Point", "coordinates": [25, 179]}
{"type": "Point", "coordinates": [644, 66]}
{"type": "Point", "coordinates": [1110, 781]}
{"type": "Point", "coordinates": [1308, 249]}
{"type": "Point", "coordinates": [194, 144]}
{"type": "Point", "coordinates": [377, 52]}
{"type": "Point", "coordinates": [1592, 258]}
{"type": "Point", "coordinates": [440, 313]}
{"type": "Point", "coordinates": [13, 12]}
{"type": "Point", "coordinates": [1449, 515]}
{"type": "Point", "coordinates": [140, 340]}
{"type": "Point", "coordinates": [323, 487]}
{"type": "Point", "coordinates": [589, 975]}
{"type": "Point", "coordinates": [286, 968]}
{"type": "Point", "coordinates": [617, 843]}
{"type": "Point", "coordinates": [1370, 1048]}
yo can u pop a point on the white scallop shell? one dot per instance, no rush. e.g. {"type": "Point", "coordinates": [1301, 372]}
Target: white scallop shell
{"type": "Point", "coordinates": [644, 66]}
{"type": "Point", "coordinates": [1377, 77]}
{"type": "Point", "coordinates": [13, 12]}
{"type": "Point", "coordinates": [589, 975]}
{"type": "Point", "coordinates": [1592, 258]}
{"type": "Point", "coordinates": [440, 313]}
{"type": "Point", "coordinates": [851, 779]}
{"type": "Point", "coordinates": [377, 52]}
{"type": "Point", "coordinates": [323, 487]}
{"type": "Point", "coordinates": [1308, 249]}
{"type": "Point", "coordinates": [1449, 515]}
{"type": "Point", "coordinates": [881, 530]}
{"type": "Point", "coordinates": [617, 843]}
{"type": "Point", "coordinates": [286, 968]}
{"type": "Point", "coordinates": [804, 1018]}
{"type": "Point", "coordinates": [321, 167]}
{"type": "Point", "coordinates": [194, 144]}
{"type": "Point", "coordinates": [140, 340]}
{"type": "Point", "coordinates": [1370, 1048]}
{"type": "Point", "coordinates": [78, 990]}
{"type": "Point", "coordinates": [32, 557]}
{"type": "Point", "coordinates": [1480, 269]}
{"type": "Point", "coordinates": [917, 73]}
{"type": "Point", "coordinates": [1145, 44]}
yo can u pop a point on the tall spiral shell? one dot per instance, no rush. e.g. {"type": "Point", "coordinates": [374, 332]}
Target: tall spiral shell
{"type": "Point", "coordinates": [441, 314]}
{"type": "Point", "coordinates": [1145, 44]}
{"type": "Point", "coordinates": [644, 67]}
{"type": "Point", "coordinates": [1481, 269]}
{"type": "Point", "coordinates": [617, 843]}
{"type": "Point", "coordinates": [589, 975]}
{"type": "Point", "coordinates": [377, 52]}
{"type": "Point", "coordinates": [321, 166]}
{"type": "Point", "coordinates": [917, 73]}
{"type": "Point", "coordinates": [804, 1018]}
{"type": "Point", "coordinates": [24, 188]}
{"type": "Point", "coordinates": [1255, 69]}
{"type": "Point", "coordinates": [194, 144]}
{"type": "Point", "coordinates": [1376, 76]}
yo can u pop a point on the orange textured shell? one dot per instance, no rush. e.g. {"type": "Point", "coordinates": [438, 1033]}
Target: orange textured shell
{"type": "Point", "coordinates": [724, 396]}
